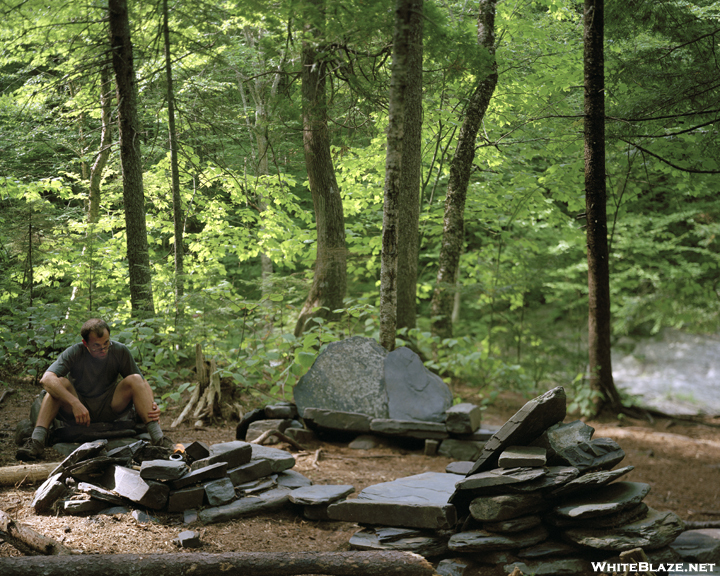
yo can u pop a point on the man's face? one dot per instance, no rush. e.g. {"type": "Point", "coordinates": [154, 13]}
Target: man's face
{"type": "Point", "coordinates": [98, 346]}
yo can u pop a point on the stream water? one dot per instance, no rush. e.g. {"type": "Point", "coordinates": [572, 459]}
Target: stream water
{"type": "Point", "coordinates": [676, 373]}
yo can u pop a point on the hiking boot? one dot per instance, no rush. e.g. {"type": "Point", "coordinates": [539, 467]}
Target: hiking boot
{"type": "Point", "coordinates": [31, 450]}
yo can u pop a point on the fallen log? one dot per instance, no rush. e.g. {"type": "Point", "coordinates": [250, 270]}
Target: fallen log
{"type": "Point", "coordinates": [256, 563]}
{"type": "Point", "coordinates": [280, 436]}
{"type": "Point", "coordinates": [27, 540]}
{"type": "Point", "coordinates": [701, 525]}
{"type": "Point", "coordinates": [30, 473]}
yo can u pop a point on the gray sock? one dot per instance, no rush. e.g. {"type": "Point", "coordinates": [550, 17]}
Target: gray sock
{"type": "Point", "coordinates": [39, 434]}
{"type": "Point", "coordinates": [156, 433]}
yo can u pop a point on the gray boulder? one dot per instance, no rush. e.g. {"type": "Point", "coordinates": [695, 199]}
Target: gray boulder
{"type": "Point", "coordinates": [698, 545]}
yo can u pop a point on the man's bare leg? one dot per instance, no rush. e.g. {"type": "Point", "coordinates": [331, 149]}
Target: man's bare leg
{"type": "Point", "coordinates": [136, 389]}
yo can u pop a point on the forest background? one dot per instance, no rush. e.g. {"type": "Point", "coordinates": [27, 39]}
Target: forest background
{"type": "Point", "coordinates": [222, 108]}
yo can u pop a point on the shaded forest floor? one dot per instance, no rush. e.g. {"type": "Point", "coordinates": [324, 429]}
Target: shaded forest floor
{"type": "Point", "coordinates": [680, 461]}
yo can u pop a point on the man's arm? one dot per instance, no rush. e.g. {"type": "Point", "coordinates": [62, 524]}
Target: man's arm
{"type": "Point", "coordinates": [54, 386]}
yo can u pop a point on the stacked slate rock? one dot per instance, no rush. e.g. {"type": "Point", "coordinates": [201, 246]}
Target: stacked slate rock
{"type": "Point", "coordinates": [356, 386]}
{"type": "Point", "coordinates": [542, 496]}
{"type": "Point", "coordinates": [223, 481]}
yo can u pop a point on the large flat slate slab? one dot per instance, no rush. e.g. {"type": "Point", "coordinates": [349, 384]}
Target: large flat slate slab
{"type": "Point", "coordinates": [409, 428]}
{"type": "Point", "coordinates": [245, 506]}
{"type": "Point", "coordinates": [419, 501]}
{"type": "Point", "coordinates": [128, 483]}
{"type": "Point", "coordinates": [279, 460]}
{"type": "Point", "coordinates": [426, 544]}
{"type": "Point", "coordinates": [337, 420]}
{"type": "Point", "coordinates": [608, 499]}
{"type": "Point", "coordinates": [483, 541]}
{"type": "Point", "coordinates": [348, 376]}
{"type": "Point", "coordinates": [523, 427]}
{"type": "Point", "coordinates": [506, 506]}
{"type": "Point", "coordinates": [320, 494]}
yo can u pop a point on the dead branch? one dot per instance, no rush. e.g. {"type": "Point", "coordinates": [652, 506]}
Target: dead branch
{"type": "Point", "coordinates": [696, 525]}
{"type": "Point", "coordinates": [5, 394]}
{"type": "Point", "coordinates": [26, 473]}
{"type": "Point", "coordinates": [704, 512]}
{"type": "Point", "coordinates": [256, 563]}
{"type": "Point", "coordinates": [188, 407]}
{"type": "Point", "coordinates": [283, 438]}
{"type": "Point", "coordinates": [316, 457]}
{"type": "Point", "coordinates": [27, 541]}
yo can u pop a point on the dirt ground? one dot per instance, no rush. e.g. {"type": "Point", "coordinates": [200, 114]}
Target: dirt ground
{"type": "Point", "coordinates": [680, 461]}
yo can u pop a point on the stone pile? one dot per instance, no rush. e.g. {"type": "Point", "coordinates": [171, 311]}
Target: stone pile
{"type": "Point", "coordinates": [223, 481]}
{"type": "Point", "coordinates": [542, 496]}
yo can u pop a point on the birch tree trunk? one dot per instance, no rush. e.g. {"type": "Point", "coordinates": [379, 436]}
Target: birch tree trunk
{"type": "Point", "coordinates": [141, 296]}
{"type": "Point", "coordinates": [601, 378]}
{"type": "Point", "coordinates": [460, 170]}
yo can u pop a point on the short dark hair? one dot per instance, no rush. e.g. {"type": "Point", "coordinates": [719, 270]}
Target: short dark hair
{"type": "Point", "coordinates": [96, 325]}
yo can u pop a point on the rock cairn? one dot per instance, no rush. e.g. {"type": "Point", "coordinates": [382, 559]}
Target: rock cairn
{"type": "Point", "coordinates": [542, 496]}
{"type": "Point", "coordinates": [207, 483]}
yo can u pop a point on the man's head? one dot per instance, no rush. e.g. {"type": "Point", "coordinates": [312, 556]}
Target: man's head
{"type": "Point", "coordinates": [96, 337]}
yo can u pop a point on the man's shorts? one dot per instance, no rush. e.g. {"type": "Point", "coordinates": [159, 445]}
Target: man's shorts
{"type": "Point", "coordinates": [99, 408]}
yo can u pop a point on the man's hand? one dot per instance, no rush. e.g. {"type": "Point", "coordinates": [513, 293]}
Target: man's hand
{"type": "Point", "coordinates": [82, 416]}
{"type": "Point", "coordinates": [154, 413]}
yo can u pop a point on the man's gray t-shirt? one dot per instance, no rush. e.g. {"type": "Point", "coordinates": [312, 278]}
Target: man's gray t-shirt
{"type": "Point", "coordinates": [91, 376]}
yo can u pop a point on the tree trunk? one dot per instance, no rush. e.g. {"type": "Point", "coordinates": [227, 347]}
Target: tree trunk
{"type": "Point", "coordinates": [141, 296]}
{"type": "Point", "coordinates": [330, 278]}
{"type": "Point", "coordinates": [255, 563]}
{"type": "Point", "coordinates": [26, 473]}
{"type": "Point", "coordinates": [174, 174]}
{"type": "Point", "coordinates": [393, 172]}
{"type": "Point", "coordinates": [409, 201]}
{"type": "Point", "coordinates": [460, 170]}
{"type": "Point", "coordinates": [27, 541]}
{"type": "Point", "coordinates": [98, 166]}
{"type": "Point", "coordinates": [600, 364]}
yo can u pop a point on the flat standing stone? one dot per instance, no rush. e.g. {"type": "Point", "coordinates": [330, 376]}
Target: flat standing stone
{"type": "Point", "coordinates": [656, 530]}
{"type": "Point", "coordinates": [409, 428]}
{"type": "Point", "coordinates": [346, 377]}
{"type": "Point", "coordinates": [524, 427]}
{"type": "Point", "coordinates": [514, 456]}
{"type": "Point", "coordinates": [320, 494]}
{"type": "Point", "coordinates": [463, 418]}
{"type": "Point", "coordinates": [50, 490]}
{"type": "Point", "coordinates": [428, 544]}
{"type": "Point", "coordinates": [590, 481]}
{"type": "Point", "coordinates": [251, 471]}
{"type": "Point", "coordinates": [482, 541]}
{"type": "Point", "coordinates": [197, 450]}
{"type": "Point", "coordinates": [83, 452]}
{"type": "Point", "coordinates": [419, 501]}
{"type": "Point", "coordinates": [91, 466]}
{"type": "Point", "coordinates": [219, 492]}
{"type": "Point", "coordinates": [499, 477]}
{"type": "Point", "coordinates": [128, 483]}
{"type": "Point", "coordinates": [235, 453]}
{"type": "Point", "coordinates": [245, 506]}
{"type": "Point", "coordinates": [605, 500]}
{"type": "Point", "coordinates": [506, 506]}
{"type": "Point", "coordinates": [211, 472]}
{"type": "Point", "coordinates": [698, 545]}
{"type": "Point", "coordinates": [162, 470]}
{"type": "Point", "coordinates": [413, 392]}
{"type": "Point", "coordinates": [279, 460]}
{"type": "Point", "coordinates": [337, 420]}
{"type": "Point", "coordinates": [186, 499]}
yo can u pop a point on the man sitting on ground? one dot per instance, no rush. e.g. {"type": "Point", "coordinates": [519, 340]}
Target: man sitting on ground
{"type": "Point", "coordinates": [83, 384]}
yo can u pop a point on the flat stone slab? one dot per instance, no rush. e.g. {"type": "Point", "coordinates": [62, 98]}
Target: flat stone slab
{"type": "Point", "coordinates": [219, 492]}
{"type": "Point", "coordinates": [283, 410]}
{"type": "Point", "coordinates": [428, 544]}
{"type": "Point", "coordinates": [625, 516]}
{"type": "Point", "coordinates": [698, 545]}
{"type": "Point", "coordinates": [293, 480]}
{"type": "Point", "coordinates": [499, 477]}
{"type": "Point", "coordinates": [83, 452]}
{"type": "Point", "coordinates": [506, 506]}
{"type": "Point", "coordinates": [163, 470]}
{"type": "Point", "coordinates": [549, 548]}
{"type": "Point", "coordinates": [210, 472]}
{"type": "Point", "coordinates": [101, 493]}
{"type": "Point", "coordinates": [251, 471]}
{"type": "Point", "coordinates": [235, 453]}
{"type": "Point", "coordinates": [419, 501]}
{"type": "Point", "coordinates": [245, 506]}
{"type": "Point", "coordinates": [77, 507]}
{"type": "Point", "coordinates": [413, 392]}
{"type": "Point", "coordinates": [656, 530]}
{"type": "Point", "coordinates": [590, 481]}
{"type": "Point", "coordinates": [409, 428]}
{"type": "Point", "coordinates": [460, 468]}
{"type": "Point", "coordinates": [554, 477]}
{"type": "Point", "coordinates": [197, 450]}
{"type": "Point", "coordinates": [464, 450]}
{"type": "Point", "coordinates": [337, 420]}
{"type": "Point", "coordinates": [518, 524]}
{"type": "Point", "coordinates": [605, 500]}
{"type": "Point", "coordinates": [186, 499]}
{"type": "Point", "coordinates": [483, 541]}
{"type": "Point", "coordinates": [319, 494]}
{"type": "Point", "coordinates": [188, 539]}
{"type": "Point", "coordinates": [92, 466]}
{"type": "Point", "coordinates": [555, 567]}
{"type": "Point", "coordinates": [128, 483]}
{"type": "Point", "coordinates": [523, 427]}
{"type": "Point", "coordinates": [257, 486]}
{"type": "Point", "coordinates": [464, 418]}
{"type": "Point", "coordinates": [346, 377]}
{"type": "Point", "coordinates": [49, 491]}
{"type": "Point", "coordinates": [516, 456]}
{"type": "Point", "coordinates": [279, 460]}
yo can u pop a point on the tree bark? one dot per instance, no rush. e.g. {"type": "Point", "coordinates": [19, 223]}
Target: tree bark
{"type": "Point", "coordinates": [600, 365]}
{"type": "Point", "coordinates": [141, 296]}
{"type": "Point", "coordinates": [393, 172]}
{"type": "Point", "coordinates": [255, 563]}
{"type": "Point", "coordinates": [27, 541]}
{"type": "Point", "coordinates": [411, 167]}
{"type": "Point", "coordinates": [26, 473]}
{"type": "Point", "coordinates": [330, 278]}
{"type": "Point", "coordinates": [174, 173]}
{"type": "Point", "coordinates": [460, 170]}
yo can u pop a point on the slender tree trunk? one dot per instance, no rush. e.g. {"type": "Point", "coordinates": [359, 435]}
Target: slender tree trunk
{"type": "Point", "coordinates": [174, 173]}
{"type": "Point", "coordinates": [141, 297]}
{"type": "Point", "coordinates": [460, 170]}
{"type": "Point", "coordinates": [330, 278]}
{"type": "Point", "coordinates": [600, 364]}
{"type": "Point", "coordinates": [409, 201]}
{"type": "Point", "coordinates": [393, 173]}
